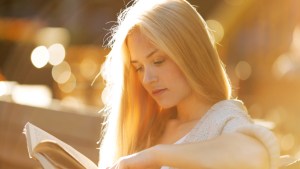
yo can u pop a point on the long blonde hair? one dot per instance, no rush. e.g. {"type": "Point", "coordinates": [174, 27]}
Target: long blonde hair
{"type": "Point", "coordinates": [134, 121]}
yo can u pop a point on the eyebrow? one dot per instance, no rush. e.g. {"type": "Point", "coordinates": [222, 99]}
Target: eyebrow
{"type": "Point", "coordinates": [148, 56]}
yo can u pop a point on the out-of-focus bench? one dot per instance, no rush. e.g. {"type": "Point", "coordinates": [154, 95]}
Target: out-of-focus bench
{"type": "Point", "coordinates": [81, 131]}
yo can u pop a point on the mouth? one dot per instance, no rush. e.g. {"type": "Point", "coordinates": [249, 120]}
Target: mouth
{"type": "Point", "coordinates": [157, 92]}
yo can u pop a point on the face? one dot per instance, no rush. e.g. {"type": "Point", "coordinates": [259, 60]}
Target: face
{"type": "Point", "coordinates": [158, 74]}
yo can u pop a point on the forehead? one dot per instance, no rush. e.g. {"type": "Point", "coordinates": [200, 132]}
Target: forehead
{"type": "Point", "coordinates": [139, 45]}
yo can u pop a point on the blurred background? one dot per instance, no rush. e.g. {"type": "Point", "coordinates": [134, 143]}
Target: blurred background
{"type": "Point", "coordinates": [52, 50]}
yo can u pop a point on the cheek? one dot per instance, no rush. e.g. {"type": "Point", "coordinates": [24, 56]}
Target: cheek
{"type": "Point", "coordinates": [180, 84]}
{"type": "Point", "coordinates": [176, 79]}
{"type": "Point", "coordinates": [175, 73]}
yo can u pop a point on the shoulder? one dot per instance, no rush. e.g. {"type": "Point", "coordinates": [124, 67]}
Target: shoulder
{"type": "Point", "coordinates": [214, 121]}
{"type": "Point", "coordinates": [228, 114]}
{"type": "Point", "coordinates": [241, 122]}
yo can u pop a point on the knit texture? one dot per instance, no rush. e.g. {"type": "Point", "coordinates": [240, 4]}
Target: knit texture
{"type": "Point", "coordinates": [230, 116]}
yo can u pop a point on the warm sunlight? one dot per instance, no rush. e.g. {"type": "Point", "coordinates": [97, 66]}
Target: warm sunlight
{"type": "Point", "coordinates": [64, 66]}
{"type": "Point", "coordinates": [57, 54]}
{"type": "Point", "coordinates": [243, 70]}
{"type": "Point", "coordinates": [217, 29]}
{"type": "Point", "coordinates": [40, 95]}
{"type": "Point", "coordinates": [61, 73]}
{"type": "Point", "coordinates": [69, 85]}
{"type": "Point", "coordinates": [51, 35]}
{"type": "Point", "coordinates": [40, 56]}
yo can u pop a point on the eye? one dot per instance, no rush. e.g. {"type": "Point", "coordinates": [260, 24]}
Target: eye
{"type": "Point", "coordinates": [159, 61]}
{"type": "Point", "coordinates": [138, 68]}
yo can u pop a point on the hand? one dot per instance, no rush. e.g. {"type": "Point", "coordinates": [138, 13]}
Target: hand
{"type": "Point", "coordinates": [145, 159]}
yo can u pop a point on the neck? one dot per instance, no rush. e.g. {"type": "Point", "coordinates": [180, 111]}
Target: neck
{"type": "Point", "coordinates": [191, 109]}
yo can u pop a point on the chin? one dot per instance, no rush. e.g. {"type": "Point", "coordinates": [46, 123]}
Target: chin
{"type": "Point", "coordinates": [165, 105]}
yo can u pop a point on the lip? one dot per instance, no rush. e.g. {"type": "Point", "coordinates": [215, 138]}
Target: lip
{"type": "Point", "coordinates": [158, 91]}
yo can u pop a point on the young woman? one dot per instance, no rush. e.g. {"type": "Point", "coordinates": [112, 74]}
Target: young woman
{"type": "Point", "coordinates": [168, 98]}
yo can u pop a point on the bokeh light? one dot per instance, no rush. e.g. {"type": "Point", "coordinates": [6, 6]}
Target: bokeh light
{"type": "Point", "coordinates": [88, 68]}
{"type": "Point", "coordinates": [217, 29]}
{"type": "Point", "coordinates": [6, 87]}
{"type": "Point", "coordinates": [33, 95]}
{"type": "Point", "coordinates": [276, 115]}
{"type": "Point", "coordinates": [295, 46]}
{"type": "Point", "coordinates": [40, 56]}
{"type": "Point", "coordinates": [61, 73]}
{"type": "Point", "coordinates": [287, 142]}
{"type": "Point", "coordinates": [3, 89]}
{"type": "Point", "coordinates": [282, 65]}
{"type": "Point", "coordinates": [243, 70]}
{"type": "Point", "coordinates": [57, 54]}
{"type": "Point", "coordinates": [297, 154]}
{"type": "Point", "coordinates": [258, 41]}
{"type": "Point", "coordinates": [51, 35]}
{"type": "Point", "coordinates": [69, 85]}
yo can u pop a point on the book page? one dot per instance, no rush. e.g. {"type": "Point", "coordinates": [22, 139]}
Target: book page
{"type": "Point", "coordinates": [44, 162]}
{"type": "Point", "coordinates": [57, 156]}
{"type": "Point", "coordinates": [36, 135]}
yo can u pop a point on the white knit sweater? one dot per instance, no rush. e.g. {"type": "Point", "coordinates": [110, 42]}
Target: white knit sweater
{"type": "Point", "coordinates": [229, 116]}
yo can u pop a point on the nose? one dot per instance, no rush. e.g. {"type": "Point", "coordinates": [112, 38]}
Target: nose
{"type": "Point", "coordinates": [150, 76]}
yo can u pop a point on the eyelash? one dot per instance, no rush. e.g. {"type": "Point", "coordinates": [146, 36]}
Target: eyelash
{"type": "Point", "coordinates": [138, 69]}
{"type": "Point", "coordinates": [155, 63]}
{"type": "Point", "coordinates": [159, 62]}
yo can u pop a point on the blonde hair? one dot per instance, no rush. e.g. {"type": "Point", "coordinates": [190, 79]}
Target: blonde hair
{"type": "Point", "coordinates": [134, 121]}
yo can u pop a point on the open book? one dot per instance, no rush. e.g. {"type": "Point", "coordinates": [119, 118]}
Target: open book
{"type": "Point", "coordinates": [53, 153]}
